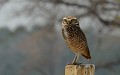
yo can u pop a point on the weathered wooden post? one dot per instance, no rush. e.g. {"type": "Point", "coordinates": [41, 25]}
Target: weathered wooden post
{"type": "Point", "coordinates": [81, 69]}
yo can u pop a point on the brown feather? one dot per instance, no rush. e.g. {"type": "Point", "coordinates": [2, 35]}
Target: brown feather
{"type": "Point", "coordinates": [74, 37]}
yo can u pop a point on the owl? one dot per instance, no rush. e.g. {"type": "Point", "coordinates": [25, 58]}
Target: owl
{"type": "Point", "coordinates": [75, 38]}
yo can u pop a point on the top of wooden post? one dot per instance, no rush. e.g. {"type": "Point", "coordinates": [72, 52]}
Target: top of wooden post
{"type": "Point", "coordinates": [81, 69]}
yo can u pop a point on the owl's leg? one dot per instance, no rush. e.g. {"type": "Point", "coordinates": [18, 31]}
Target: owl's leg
{"type": "Point", "coordinates": [75, 60]}
{"type": "Point", "coordinates": [78, 56]}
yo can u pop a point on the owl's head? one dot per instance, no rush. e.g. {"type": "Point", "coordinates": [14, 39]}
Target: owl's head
{"type": "Point", "coordinates": [70, 20]}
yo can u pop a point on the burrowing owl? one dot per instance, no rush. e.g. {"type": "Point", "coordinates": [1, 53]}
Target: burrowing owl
{"type": "Point", "coordinates": [75, 38]}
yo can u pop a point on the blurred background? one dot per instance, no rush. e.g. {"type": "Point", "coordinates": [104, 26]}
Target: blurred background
{"type": "Point", "coordinates": [31, 41]}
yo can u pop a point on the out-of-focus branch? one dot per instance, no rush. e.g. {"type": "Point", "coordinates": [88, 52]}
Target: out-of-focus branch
{"type": "Point", "coordinates": [2, 2]}
{"type": "Point", "coordinates": [83, 15]}
{"type": "Point", "coordinates": [111, 9]}
{"type": "Point", "coordinates": [101, 2]}
{"type": "Point", "coordinates": [93, 9]}
{"type": "Point", "coordinates": [72, 4]}
{"type": "Point", "coordinates": [66, 3]}
{"type": "Point", "coordinates": [107, 22]}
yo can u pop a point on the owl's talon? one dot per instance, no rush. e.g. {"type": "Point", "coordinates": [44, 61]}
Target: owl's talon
{"type": "Point", "coordinates": [74, 63]}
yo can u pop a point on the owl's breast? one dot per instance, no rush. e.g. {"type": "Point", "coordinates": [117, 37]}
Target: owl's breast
{"type": "Point", "coordinates": [74, 39]}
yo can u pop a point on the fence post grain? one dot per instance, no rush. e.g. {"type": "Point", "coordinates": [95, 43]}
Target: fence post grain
{"type": "Point", "coordinates": [81, 69]}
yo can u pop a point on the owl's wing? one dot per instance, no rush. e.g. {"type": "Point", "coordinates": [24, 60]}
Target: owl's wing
{"type": "Point", "coordinates": [85, 52]}
{"type": "Point", "coordinates": [83, 37]}
{"type": "Point", "coordinates": [63, 33]}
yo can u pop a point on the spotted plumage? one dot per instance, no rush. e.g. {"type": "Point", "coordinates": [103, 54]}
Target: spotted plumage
{"type": "Point", "coordinates": [75, 38]}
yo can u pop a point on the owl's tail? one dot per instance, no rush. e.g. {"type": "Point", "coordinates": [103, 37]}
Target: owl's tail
{"type": "Point", "coordinates": [86, 54]}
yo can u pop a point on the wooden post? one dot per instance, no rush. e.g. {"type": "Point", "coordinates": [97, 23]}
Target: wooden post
{"type": "Point", "coordinates": [82, 69]}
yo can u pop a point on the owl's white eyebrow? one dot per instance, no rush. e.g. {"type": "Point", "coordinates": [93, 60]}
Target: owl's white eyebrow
{"type": "Point", "coordinates": [75, 18]}
{"type": "Point", "coordinates": [64, 18]}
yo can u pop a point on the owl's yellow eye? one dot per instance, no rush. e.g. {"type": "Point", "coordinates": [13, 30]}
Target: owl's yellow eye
{"type": "Point", "coordinates": [65, 21]}
{"type": "Point", "coordinates": [74, 21]}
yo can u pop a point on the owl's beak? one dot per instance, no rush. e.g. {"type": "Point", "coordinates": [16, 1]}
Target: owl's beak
{"type": "Point", "coordinates": [69, 21]}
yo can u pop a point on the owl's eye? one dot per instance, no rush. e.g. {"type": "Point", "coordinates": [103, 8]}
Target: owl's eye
{"type": "Point", "coordinates": [65, 21]}
{"type": "Point", "coordinates": [74, 21]}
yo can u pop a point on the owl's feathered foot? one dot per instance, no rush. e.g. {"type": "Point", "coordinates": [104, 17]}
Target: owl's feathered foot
{"type": "Point", "coordinates": [74, 63]}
